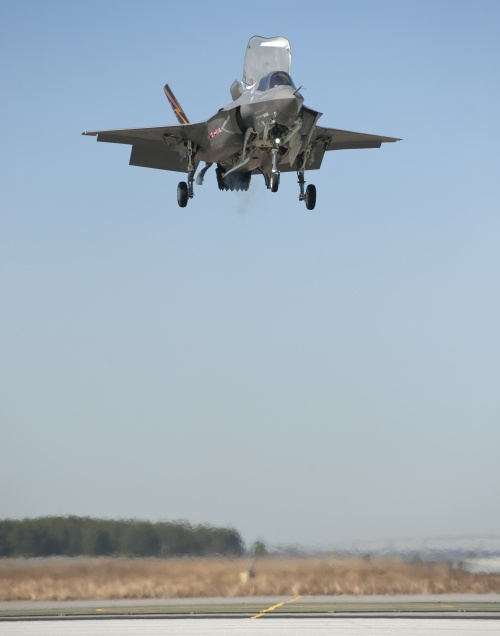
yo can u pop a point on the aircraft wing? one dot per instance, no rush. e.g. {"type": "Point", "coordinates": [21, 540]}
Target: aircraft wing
{"type": "Point", "coordinates": [160, 147]}
{"type": "Point", "coordinates": [345, 139]}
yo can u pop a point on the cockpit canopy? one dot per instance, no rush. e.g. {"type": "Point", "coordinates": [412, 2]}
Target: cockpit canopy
{"type": "Point", "coordinates": [278, 78]}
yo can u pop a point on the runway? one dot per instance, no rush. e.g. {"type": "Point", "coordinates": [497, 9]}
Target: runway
{"type": "Point", "coordinates": [266, 627]}
{"type": "Point", "coordinates": [453, 615]}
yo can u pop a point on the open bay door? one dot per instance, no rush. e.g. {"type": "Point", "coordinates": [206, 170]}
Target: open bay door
{"type": "Point", "coordinates": [265, 55]}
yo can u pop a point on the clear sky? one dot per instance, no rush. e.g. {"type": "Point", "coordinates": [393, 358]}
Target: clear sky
{"type": "Point", "coordinates": [309, 377]}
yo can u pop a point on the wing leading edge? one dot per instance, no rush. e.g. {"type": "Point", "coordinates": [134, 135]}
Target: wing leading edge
{"type": "Point", "coordinates": [170, 135]}
{"type": "Point", "coordinates": [161, 147]}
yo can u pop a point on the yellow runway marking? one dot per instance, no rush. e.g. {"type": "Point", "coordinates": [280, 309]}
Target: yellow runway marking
{"type": "Point", "coordinates": [273, 607]}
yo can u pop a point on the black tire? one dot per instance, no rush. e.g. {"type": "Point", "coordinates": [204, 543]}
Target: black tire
{"type": "Point", "coordinates": [310, 198]}
{"type": "Point", "coordinates": [274, 181]}
{"type": "Point", "coordinates": [182, 194]}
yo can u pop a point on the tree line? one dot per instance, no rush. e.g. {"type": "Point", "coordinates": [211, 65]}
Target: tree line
{"type": "Point", "coordinates": [84, 536]}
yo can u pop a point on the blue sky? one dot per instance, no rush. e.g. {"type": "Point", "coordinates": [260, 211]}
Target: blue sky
{"type": "Point", "coordinates": [306, 377]}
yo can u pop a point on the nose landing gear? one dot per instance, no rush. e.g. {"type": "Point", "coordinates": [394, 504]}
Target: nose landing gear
{"type": "Point", "coordinates": [274, 179]}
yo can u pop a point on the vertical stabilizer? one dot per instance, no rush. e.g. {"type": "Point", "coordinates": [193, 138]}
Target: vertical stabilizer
{"type": "Point", "coordinates": [176, 107]}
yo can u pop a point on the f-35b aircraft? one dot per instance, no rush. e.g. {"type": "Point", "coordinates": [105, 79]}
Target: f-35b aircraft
{"type": "Point", "coordinates": [265, 130]}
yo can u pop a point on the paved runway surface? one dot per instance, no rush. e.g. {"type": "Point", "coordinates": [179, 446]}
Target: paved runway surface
{"type": "Point", "coordinates": [263, 627]}
{"type": "Point", "coordinates": [255, 604]}
{"type": "Point", "coordinates": [443, 615]}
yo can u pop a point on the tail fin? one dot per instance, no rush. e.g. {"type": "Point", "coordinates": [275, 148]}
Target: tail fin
{"type": "Point", "coordinates": [179, 113]}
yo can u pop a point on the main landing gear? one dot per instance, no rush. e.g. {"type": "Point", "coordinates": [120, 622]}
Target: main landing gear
{"type": "Point", "coordinates": [185, 191]}
{"type": "Point", "coordinates": [309, 196]}
{"type": "Point", "coordinates": [182, 194]}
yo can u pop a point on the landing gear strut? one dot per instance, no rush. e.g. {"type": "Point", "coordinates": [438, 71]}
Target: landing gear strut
{"type": "Point", "coordinates": [309, 196]}
{"type": "Point", "coordinates": [185, 191]}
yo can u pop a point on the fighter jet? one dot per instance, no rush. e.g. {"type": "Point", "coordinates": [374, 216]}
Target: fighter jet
{"type": "Point", "coordinates": [265, 130]}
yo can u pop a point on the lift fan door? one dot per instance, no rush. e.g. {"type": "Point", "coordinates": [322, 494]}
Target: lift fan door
{"type": "Point", "coordinates": [265, 55]}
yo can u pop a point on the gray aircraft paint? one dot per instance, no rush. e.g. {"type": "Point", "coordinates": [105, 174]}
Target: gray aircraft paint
{"type": "Point", "coordinates": [265, 130]}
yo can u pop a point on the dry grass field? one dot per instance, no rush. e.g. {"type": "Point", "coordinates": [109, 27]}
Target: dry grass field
{"type": "Point", "coordinates": [117, 578]}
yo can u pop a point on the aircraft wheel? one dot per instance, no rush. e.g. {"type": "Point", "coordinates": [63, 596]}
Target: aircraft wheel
{"type": "Point", "coordinates": [274, 181]}
{"type": "Point", "coordinates": [182, 194]}
{"type": "Point", "coordinates": [310, 197]}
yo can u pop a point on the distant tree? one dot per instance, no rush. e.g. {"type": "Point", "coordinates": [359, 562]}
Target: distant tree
{"type": "Point", "coordinates": [6, 538]}
{"type": "Point", "coordinates": [259, 549]}
{"type": "Point", "coordinates": [140, 539]}
{"type": "Point", "coordinates": [72, 536]}
{"type": "Point", "coordinates": [103, 545]}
